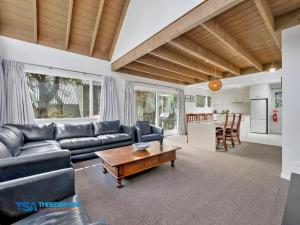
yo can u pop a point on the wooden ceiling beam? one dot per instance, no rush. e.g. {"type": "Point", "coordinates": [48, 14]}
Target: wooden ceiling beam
{"type": "Point", "coordinates": [222, 35]}
{"type": "Point", "coordinates": [200, 14]}
{"type": "Point", "coordinates": [287, 20]}
{"type": "Point", "coordinates": [202, 53]}
{"type": "Point", "coordinates": [159, 72]}
{"type": "Point", "coordinates": [161, 64]}
{"type": "Point", "coordinates": [173, 57]}
{"type": "Point", "coordinates": [121, 20]}
{"type": "Point", "coordinates": [35, 21]}
{"type": "Point", "coordinates": [150, 76]}
{"type": "Point", "coordinates": [96, 26]}
{"type": "Point", "coordinates": [70, 12]}
{"type": "Point", "coordinates": [267, 16]}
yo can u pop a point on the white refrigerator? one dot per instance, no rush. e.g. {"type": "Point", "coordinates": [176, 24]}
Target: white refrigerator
{"type": "Point", "coordinates": [259, 116]}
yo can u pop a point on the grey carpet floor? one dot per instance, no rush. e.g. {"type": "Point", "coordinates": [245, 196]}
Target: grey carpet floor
{"type": "Point", "coordinates": [239, 187]}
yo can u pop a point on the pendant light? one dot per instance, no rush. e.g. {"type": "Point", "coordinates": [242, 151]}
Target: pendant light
{"type": "Point", "coordinates": [272, 68]}
{"type": "Point", "coordinates": [216, 84]}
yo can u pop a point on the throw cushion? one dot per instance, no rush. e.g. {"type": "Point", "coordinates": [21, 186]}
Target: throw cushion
{"type": "Point", "coordinates": [107, 127]}
{"type": "Point", "coordinates": [144, 126]}
{"type": "Point", "coordinates": [37, 132]}
{"type": "Point", "coordinates": [64, 131]}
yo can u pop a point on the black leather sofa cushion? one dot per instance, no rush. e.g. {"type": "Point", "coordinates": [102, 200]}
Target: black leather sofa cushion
{"type": "Point", "coordinates": [106, 127]}
{"type": "Point", "coordinates": [40, 150]}
{"type": "Point", "coordinates": [144, 126]}
{"type": "Point", "coordinates": [37, 144]}
{"type": "Point", "coordinates": [113, 138]}
{"type": "Point", "coordinates": [37, 132]}
{"type": "Point", "coordinates": [151, 137]}
{"type": "Point", "coordinates": [76, 143]}
{"type": "Point", "coordinates": [4, 152]}
{"type": "Point", "coordinates": [64, 131]}
{"type": "Point", "coordinates": [64, 217]}
{"type": "Point", "coordinates": [91, 151]}
{"type": "Point", "coordinates": [11, 140]}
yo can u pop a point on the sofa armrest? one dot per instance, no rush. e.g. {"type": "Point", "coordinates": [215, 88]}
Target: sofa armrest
{"type": "Point", "coordinates": [128, 130]}
{"type": "Point", "coordinates": [46, 187]}
{"type": "Point", "coordinates": [22, 166]}
{"type": "Point", "coordinates": [138, 134]}
{"type": "Point", "coordinates": [157, 130]}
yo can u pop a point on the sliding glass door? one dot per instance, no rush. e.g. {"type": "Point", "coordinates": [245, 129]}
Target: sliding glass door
{"type": "Point", "coordinates": [146, 106]}
{"type": "Point", "coordinates": [160, 108]}
{"type": "Point", "coordinates": [167, 111]}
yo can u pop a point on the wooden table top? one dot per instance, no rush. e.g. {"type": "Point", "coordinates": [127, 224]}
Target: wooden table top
{"type": "Point", "coordinates": [123, 155]}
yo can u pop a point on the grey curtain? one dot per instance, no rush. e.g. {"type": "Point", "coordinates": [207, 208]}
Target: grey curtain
{"type": "Point", "coordinates": [108, 101]}
{"type": "Point", "coordinates": [129, 104]}
{"type": "Point", "coordinates": [2, 95]}
{"type": "Point", "coordinates": [18, 103]}
{"type": "Point", "coordinates": [181, 110]}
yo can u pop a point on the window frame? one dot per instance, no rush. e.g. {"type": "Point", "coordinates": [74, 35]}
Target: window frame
{"type": "Point", "coordinates": [68, 74]}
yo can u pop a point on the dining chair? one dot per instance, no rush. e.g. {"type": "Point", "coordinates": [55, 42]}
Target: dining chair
{"type": "Point", "coordinates": [229, 130]}
{"type": "Point", "coordinates": [191, 117]}
{"type": "Point", "coordinates": [236, 130]}
{"type": "Point", "coordinates": [200, 117]}
{"type": "Point", "coordinates": [221, 134]}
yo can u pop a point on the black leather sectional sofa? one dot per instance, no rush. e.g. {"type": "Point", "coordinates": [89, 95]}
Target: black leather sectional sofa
{"type": "Point", "coordinates": [35, 165]}
{"type": "Point", "coordinates": [81, 140]}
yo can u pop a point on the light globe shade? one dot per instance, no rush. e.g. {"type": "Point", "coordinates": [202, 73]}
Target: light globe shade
{"type": "Point", "coordinates": [215, 85]}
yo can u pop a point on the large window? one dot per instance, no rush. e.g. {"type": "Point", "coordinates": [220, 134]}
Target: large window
{"type": "Point", "coordinates": [62, 97]}
{"type": "Point", "coordinates": [157, 107]}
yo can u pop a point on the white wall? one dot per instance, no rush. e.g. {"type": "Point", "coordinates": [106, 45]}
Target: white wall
{"type": "Point", "coordinates": [291, 102]}
{"type": "Point", "coordinates": [190, 107]}
{"type": "Point", "coordinates": [235, 100]}
{"type": "Point", "coordinates": [144, 18]}
{"type": "Point", "coordinates": [36, 54]}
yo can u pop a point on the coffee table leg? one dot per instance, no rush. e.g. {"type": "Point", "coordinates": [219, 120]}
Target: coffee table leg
{"type": "Point", "coordinates": [172, 163]}
{"type": "Point", "coordinates": [119, 183]}
{"type": "Point", "coordinates": [104, 170]}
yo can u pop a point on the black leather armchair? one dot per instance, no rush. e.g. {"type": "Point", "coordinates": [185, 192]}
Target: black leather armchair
{"type": "Point", "coordinates": [146, 132]}
{"type": "Point", "coordinates": [55, 186]}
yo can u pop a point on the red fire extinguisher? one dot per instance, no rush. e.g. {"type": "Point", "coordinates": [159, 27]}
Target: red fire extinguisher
{"type": "Point", "coordinates": [275, 116]}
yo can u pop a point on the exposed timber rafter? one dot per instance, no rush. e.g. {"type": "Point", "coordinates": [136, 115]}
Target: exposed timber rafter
{"type": "Point", "coordinates": [222, 35]}
{"type": "Point", "coordinates": [267, 16]}
{"type": "Point", "coordinates": [96, 26]}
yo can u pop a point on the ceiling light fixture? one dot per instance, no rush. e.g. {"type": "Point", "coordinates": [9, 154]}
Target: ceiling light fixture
{"type": "Point", "coordinates": [272, 68]}
{"type": "Point", "coordinates": [216, 84]}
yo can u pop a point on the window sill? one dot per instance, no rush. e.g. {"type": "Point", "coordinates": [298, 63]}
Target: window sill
{"type": "Point", "coordinates": [66, 120]}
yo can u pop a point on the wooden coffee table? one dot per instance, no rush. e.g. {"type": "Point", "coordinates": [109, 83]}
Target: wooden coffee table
{"type": "Point", "coordinates": [125, 161]}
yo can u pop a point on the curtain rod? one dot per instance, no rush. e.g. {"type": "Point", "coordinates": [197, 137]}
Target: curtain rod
{"type": "Point", "coordinates": [52, 67]}
{"type": "Point", "coordinates": [155, 84]}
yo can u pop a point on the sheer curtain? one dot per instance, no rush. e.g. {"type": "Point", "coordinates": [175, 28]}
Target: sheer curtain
{"type": "Point", "coordinates": [2, 95]}
{"type": "Point", "coordinates": [19, 108]}
{"type": "Point", "coordinates": [129, 104]}
{"type": "Point", "coordinates": [181, 110]}
{"type": "Point", "coordinates": [108, 101]}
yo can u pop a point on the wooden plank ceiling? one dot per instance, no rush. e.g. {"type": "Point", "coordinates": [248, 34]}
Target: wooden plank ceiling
{"type": "Point", "coordinates": [87, 27]}
{"type": "Point", "coordinates": [226, 38]}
